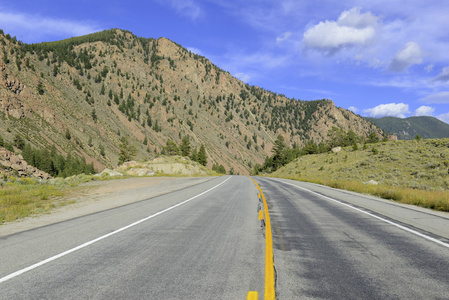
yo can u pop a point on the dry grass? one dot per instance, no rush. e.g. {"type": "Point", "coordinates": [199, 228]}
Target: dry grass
{"type": "Point", "coordinates": [20, 198]}
{"type": "Point", "coordinates": [25, 197]}
{"type": "Point", "coordinates": [413, 172]}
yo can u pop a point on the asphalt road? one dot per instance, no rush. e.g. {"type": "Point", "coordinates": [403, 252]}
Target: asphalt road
{"type": "Point", "coordinates": [331, 244]}
{"type": "Point", "coordinates": [211, 247]}
{"type": "Point", "coordinates": [206, 242]}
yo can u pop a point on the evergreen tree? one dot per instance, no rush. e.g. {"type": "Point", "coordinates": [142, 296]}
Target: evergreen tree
{"type": "Point", "coordinates": [67, 134]}
{"type": "Point", "coordinates": [372, 138]}
{"type": "Point", "coordinates": [278, 150]}
{"type": "Point", "coordinates": [127, 150]}
{"type": "Point", "coordinates": [94, 115]}
{"type": "Point", "coordinates": [102, 153]}
{"type": "Point", "coordinates": [202, 156]}
{"type": "Point", "coordinates": [19, 142]}
{"type": "Point", "coordinates": [171, 148]}
{"type": "Point", "coordinates": [185, 147]}
{"type": "Point", "coordinates": [194, 155]}
{"type": "Point", "coordinates": [40, 88]}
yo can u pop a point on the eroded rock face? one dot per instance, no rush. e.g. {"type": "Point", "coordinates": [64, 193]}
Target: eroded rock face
{"type": "Point", "coordinates": [10, 98]}
{"type": "Point", "coordinates": [15, 164]}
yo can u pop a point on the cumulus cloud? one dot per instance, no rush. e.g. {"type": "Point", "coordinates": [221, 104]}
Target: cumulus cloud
{"type": "Point", "coordinates": [410, 54]}
{"type": "Point", "coordinates": [424, 111]}
{"type": "Point", "coordinates": [391, 109]}
{"type": "Point", "coordinates": [351, 29]}
{"type": "Point", "coordinates": [438, 98]}
{"type": "Point", "coordinates": [443, 76]}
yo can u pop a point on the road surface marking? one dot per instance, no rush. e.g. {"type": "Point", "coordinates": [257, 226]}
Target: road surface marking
{"type": "Point", "coordinates": [373, 215]}
{"type": "Point", "coordinates": [20, 272]}
{"type": "Point", "coordinates": [269, 259]}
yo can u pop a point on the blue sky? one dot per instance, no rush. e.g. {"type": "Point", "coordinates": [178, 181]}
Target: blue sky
{"type": "Point", "coordinates": [382, 58]}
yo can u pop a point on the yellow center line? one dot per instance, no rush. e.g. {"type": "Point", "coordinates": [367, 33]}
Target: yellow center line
{"type": "Point", "coordinates": [269, 263]}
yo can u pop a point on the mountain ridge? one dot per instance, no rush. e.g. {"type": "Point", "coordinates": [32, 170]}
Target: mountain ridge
{"type": "Point", "coordinates": [108, 85]}
{"type": "Point", "coordinates": [406, 129]}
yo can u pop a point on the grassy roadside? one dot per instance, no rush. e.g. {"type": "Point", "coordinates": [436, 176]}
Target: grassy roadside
{"type": "Point", "coordinates": [412, 172]}
{"type": "Point", "coordinates": [438, 200]}
{"type": "Point", "coordinates": [24, 197]}
{"type": "Point", "coordinates": [21, 198]}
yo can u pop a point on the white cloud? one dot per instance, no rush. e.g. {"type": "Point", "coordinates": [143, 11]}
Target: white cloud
{"type": "Point", "coordinates": [410, 54]}
{"type": "Point", "coordinates": [351, 29]}
{"type": "Point", "coordinates": [243, 77]}
{"type": "Point", "coordinates": [283, 37]}
{"type": "Point", "coordinates": [188, 8]}
{"type": "Point", "coordinates": [353, 109]}
{"type": "Point", "coordinates": [424, 111]}
{"type": "Point", "coordinates": [195, 50]}
{"type": "Point", "coordinates": [391, 109]}
{"type": "Point", "coordinates": [429, 68]}
{"type": "Point", "coordinates": [438, 98]}
{"type": "Point", "coordinates": [32, 27]}
{"type": "Point", "coordinates": [444, 117]}
{"type": "Point", "coordinates": [443, 76]}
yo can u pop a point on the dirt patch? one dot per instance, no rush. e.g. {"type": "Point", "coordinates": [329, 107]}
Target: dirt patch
{"type": "Point", "coordinates": [101, 195]}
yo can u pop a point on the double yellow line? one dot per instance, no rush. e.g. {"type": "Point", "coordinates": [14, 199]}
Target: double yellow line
{"type": "Point", "coordinates": [269, 262]}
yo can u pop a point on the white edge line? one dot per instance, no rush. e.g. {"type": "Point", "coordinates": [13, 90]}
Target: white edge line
{"type": "Point", "coordinates": [372, 215]}
{"type": "Point", "coordinates": [17, 273]}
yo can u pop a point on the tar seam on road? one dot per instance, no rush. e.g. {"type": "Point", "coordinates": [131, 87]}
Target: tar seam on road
{"type": "Point", "coordinates": [20, 272]}
{"type": "Point", "coordinates": [269, 258]}
{"type": "Point", "coordinates": [373, 215]}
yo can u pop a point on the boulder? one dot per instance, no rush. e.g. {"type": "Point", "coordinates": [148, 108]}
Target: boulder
{"type": "Point", "coordinates": [336, 149]}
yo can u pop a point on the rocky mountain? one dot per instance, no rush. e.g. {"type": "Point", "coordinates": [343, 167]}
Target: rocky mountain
{"type": "Point", "coordinates": [83, 95]}
{"type": "Point", "coordinates": [409, 128]}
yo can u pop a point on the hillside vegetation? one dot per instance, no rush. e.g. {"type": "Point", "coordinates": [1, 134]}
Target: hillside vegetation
{"type": "Point", "coordinates": [414, 172]}
{"type": "Point", "coordinates": [409, 128]}
{"type": "Point", "coordinates": [83, 97]}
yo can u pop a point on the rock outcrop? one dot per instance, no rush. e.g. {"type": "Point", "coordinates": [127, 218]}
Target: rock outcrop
{"type": "Point", "coordinates": [13, 164]}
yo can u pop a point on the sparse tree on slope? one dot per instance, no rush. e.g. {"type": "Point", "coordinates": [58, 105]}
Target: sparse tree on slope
{"type": "Point", "coordinates": [185, 147]}
{"type": "Point", "coordinates": [171, 148]}
{"type": "Point", "coordinates": [127, 150]}
{"type": "Point", "coordinates": [202, 156]}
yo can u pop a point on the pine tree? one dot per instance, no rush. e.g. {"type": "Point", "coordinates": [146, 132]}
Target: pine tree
{"type": "Point", "coordinates": [127, 150]}
{"type": "Point", "coordinates": [171, 148]}
{"type": "Point", "coordinates": [67, 134]}
{"type": "Point", "coordinates": [94, 115]}
{"type": "Point", "coordinates": [194, 155]}
{"type": "Point", "coordinates": [202, 156]}
{"type": "Point", "coordinates": [185, 147]}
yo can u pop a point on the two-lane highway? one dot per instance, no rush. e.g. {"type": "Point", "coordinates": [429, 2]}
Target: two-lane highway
{"type": "Point", "coordinates": [206, 242]}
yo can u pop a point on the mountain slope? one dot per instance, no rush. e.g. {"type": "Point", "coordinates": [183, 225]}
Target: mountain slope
{"type": "Point", "coordinates": [82, 95]}
{"type": "Point", "coordinates": [409, 128]}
